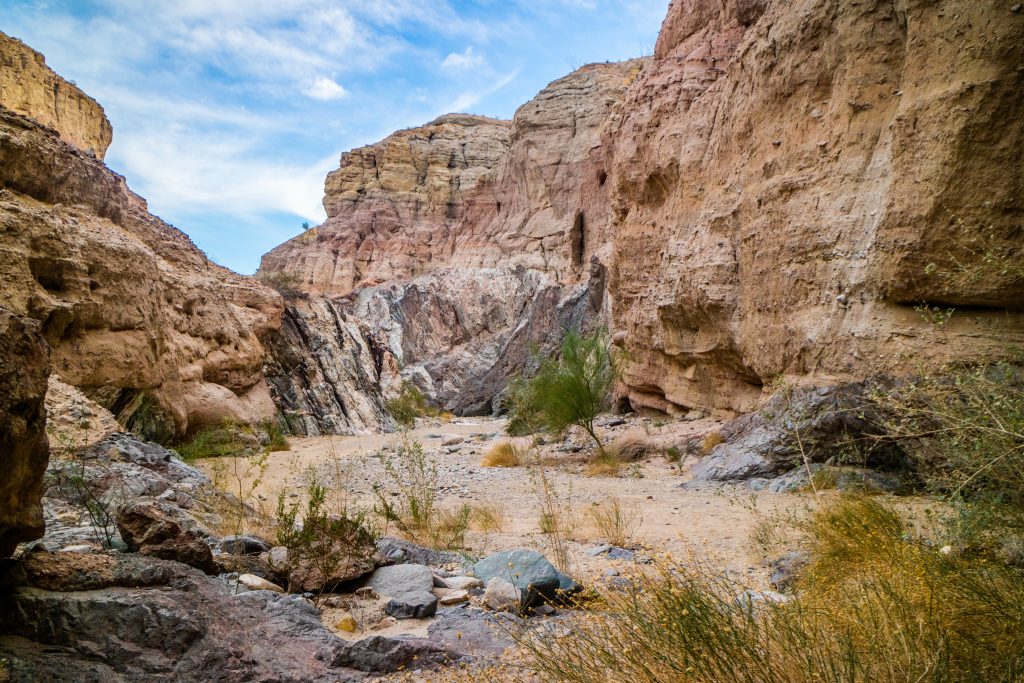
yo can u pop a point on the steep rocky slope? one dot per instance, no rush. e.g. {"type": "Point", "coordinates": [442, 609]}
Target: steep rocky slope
{"type": "Point", "coordinates": [785, 172]}
{"type": "Point", "coordinates": [470, 286]}
{"type": "Point", "coordinates": [29, 87]}
{"type": "Point", "coordinates": [785, 189]}
{"type": "Point", "coordinates": [138, 318]}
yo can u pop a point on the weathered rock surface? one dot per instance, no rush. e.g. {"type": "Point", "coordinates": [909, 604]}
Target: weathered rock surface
{"type": "Point", "coordinates": [327, 371]}
{"type": "Point", "coordinates": [160, 531]}
{"type": "Point", "coordinates": [30, 87]}
{"type": "Point", "coordinates": [124, 617]}
{"type": "Point", "coordinates": [391, 206]}
{"type": "Point", "coordinates": [783, 174]}
{"type": "Point", "coordinates": [528, 571]}
{"type": "Point", "coordinates": [24, 451]}
{"type": "Point", "coordinates": [813, 425]}
{"type": "Point", "coordinates": [138, 318]}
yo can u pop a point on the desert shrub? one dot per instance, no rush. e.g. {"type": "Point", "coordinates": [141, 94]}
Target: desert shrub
{"type": "Point", "coordinates": [631, 447]}
{"type": "Point", "coordinates": [503, 454]}
{"type": "Point", "coordinates": [964, 429]}
{"type": "Point", "coordinates": [276, 439]}
{"type": "Point", "coordinates": [286, 284]}
{"type": "Point", "coordinates": [408, 405]}
{"type": "Point", "coordinates": [412, 475]}
{"type": "Point", "coordinates": [615, 522]}
{"type": "Point", "coordinates": [606, 463]}
{"type": "Point", "coordinates": [319, 540]}
{"type": "Point", "coordinates": [69, 481]}
{"type": "Point", "coordinates": [876, 604]}
{"type": "Point", "coordinates": [524, 418]}
{"type": "Point", "coordinates": [214, 442]}
{"type": "Point", "coordinates": [489, 517]}
{"type": "Point", "coordinates": [574, 387]}
{"type": "Point", "coordinates": [557, 519]}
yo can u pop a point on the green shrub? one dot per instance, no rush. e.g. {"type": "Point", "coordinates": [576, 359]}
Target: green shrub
{"type": "Point", "coordinates": [321, 541]}
{"type": "Point", "coordinates": [575, 387]}
{"type": "Point", "coordinates": [409, 405]}
{"type": "Point", "coordinates": [286, 284]}
{"type": "Point", "coordinates": [524, 418]}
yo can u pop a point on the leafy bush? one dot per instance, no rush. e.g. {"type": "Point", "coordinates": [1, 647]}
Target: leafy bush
{"type": "Point", "coordinates": [409, 405]}
{"type": "Point", "coordinates": [321, 541]}
{"type": "Point", "coordinates": [572, 389]}
{"type": "Point", "coordinates": [524, 418]}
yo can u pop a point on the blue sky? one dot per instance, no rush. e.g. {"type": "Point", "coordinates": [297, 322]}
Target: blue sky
{"type": "Point", "coordinates": [228, 114]}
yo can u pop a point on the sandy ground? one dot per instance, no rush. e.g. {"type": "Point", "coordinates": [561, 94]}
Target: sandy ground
{"type": "Point", "coordinates": [712, 525]}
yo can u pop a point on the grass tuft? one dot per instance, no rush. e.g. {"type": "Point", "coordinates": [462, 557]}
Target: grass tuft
{"type": "Point", "coordinates": [503, 454]}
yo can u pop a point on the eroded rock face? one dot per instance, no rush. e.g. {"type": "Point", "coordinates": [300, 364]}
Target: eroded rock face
{"type": "Point", "coordinates": [24, 451]}
{"type": "Point", "coordinates": [328, 371]}
{"type": "Point", "coordinates": [138, 318]}
{"type": "Point", "coordinates": [785, 172]}
{"type": "Point", "coordinates": [391, 206]}
{"type": "Point", "coordinates": [29, 87]}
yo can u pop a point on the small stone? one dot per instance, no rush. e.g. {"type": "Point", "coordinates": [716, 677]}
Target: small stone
{"type": "Point", "coordinates": [599, 550]}
{"type": "Point", "coordinates": [416, 604]}
{"type": "Point", "coordinates": [501, 595]}
{"type": "Point", "coordinates": [453, 597]}
{"type": "Point", "coordinates": [78, 548]}
{"type": "Point", "coordinates": [620, 554]}
{"type": "Point", "coordinates": [544, 610]}
{"type": "Point", "coordinates": [366, 593]}
{"type": "Point", "coordinates": [256, 583]}
{"type": "Point", "coordinates": [347, 623]}
{"type": "Point", "coordinates": [948, 549]}
{"type": "Point", "coordinates": [451, 439]}
{"type": "Point", "coordinates": [464, 583]}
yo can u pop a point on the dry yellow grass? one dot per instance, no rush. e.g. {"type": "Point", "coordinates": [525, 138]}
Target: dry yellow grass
{"type": "Point", "coordinates": [711, 439]}
{"type": "Point", "coordinates": [631, 447]}
{"type": "Point", "coordinates": [503, 454]}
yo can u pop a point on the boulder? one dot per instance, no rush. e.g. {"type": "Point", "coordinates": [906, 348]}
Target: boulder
{"type": "Point", "coordinates": [409, 587]}
{"type": "Point", "coordinates": [258, 583]}
{"type": "Point", "coordinates": [397, 551]}
{"type": "Point", "coordinates": [131, 617]}
{"type": "Point", "coordinates": [536, 579]}
{"type": "Point", "coordinates": [502, 596]}
{"type": "Point", "coordinates": [153, 529]}
{"type": "Point", "coordinates": [243, 545]}
{"type": "Point", "coordinates": [461, 582]}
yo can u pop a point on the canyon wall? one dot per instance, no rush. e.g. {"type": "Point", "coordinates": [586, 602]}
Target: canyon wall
{"type": "Point", "coordinates": [391, 206]}
{"type": "Point", "coordinates": [31, 88]}
{"type": "Point", "coordinates": [794, 181]}
{"type": "Point", "coordinates": [466, 244]}
{"type": "Point", "coordinates": [796, 190]}
{"type": "Point", "coordinates": [135, 315]}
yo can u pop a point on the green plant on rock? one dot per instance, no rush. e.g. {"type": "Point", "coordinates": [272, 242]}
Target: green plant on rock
{"type": "Point", "coordinates": [317, 540]}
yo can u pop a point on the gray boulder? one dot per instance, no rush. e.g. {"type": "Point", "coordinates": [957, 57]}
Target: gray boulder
{"type": "Point", "coordinates": [399, 552]}
{"type": "Point", "coordinates": [243, 545]}
{"type": "Point", "coordinates": [409, 587]}
{"type": "Point", "coordinates": [530, 572]}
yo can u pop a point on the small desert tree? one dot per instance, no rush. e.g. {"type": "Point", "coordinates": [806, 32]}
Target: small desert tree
{"type": "Point", "coordinates": [574, 387]}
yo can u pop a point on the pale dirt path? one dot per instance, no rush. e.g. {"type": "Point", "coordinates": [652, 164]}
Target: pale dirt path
{"type": "Point", "coordinates": [710, 526]}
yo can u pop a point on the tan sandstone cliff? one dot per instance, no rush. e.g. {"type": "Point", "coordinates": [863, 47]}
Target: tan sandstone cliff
{"type": "Point", "coordinates": [137, 316]}
{"type": "Point", "coordinates": [29, 87]}
{"type": "Point", "coordinates": [785, 172]}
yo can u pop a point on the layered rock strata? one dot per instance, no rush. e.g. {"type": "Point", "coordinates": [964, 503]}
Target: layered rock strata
{"type": "Point", "coordinates": [31, 88]}
{"type": "Point", "coordinates": [795, 181]}
{"type": "Point", "coordinates": [392, 206]}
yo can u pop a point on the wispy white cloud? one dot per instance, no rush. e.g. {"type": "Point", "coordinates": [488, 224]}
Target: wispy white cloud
{"type": "Point", "coordinates": [460, 61]}
{"type": "Point", "coordinates": [326, 89]}
{"type": "Point", "coordinates": [469, 98]}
